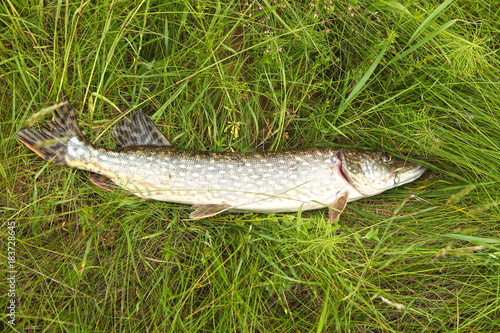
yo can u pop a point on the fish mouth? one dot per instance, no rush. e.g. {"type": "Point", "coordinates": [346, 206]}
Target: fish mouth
{"type": "Point", "coordinates": [340, 158]}
{"type": "Point", "coordinates": [410, 175]}
{"type": "Point", "coordinates": [420, 170]}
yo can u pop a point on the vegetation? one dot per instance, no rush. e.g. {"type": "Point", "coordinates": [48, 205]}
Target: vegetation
{"type": "Point", "coordinates": [404, 77]}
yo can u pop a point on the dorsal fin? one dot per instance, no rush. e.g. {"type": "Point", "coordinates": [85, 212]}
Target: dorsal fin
{"type": "Point", "coordinates": [138, 130]}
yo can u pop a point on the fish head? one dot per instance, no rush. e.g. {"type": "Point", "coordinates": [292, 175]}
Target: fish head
{"type": "Point", "coordinates": [371, 173]}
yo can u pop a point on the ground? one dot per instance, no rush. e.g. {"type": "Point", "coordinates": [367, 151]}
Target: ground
{"type": "Point", "coordinates": [418, 78]}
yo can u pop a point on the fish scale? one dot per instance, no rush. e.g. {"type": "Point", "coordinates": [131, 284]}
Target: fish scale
{"type": "Point", "coordinates": [286, 180]}
{"type": "Point", "coordinates": [148, 166]}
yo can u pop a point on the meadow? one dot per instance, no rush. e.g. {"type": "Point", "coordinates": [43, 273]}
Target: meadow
{"type": "Point", "coordinates": [415, 77]}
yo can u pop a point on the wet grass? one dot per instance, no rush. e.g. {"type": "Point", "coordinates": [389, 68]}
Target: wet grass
{"type": "Point", "coordinates": [400, 77]}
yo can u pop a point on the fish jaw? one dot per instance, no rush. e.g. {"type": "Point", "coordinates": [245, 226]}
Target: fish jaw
{"type": "Point", "coordinates": [371, 173]}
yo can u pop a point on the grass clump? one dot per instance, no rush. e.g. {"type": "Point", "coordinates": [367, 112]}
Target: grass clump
{"type": "Point", "coordinates": [405, 78]}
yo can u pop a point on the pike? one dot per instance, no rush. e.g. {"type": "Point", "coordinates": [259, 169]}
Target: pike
{"type": "Point", "coordinates": [148, 166]}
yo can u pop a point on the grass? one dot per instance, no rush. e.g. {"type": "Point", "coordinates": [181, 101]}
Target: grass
{"type": "Point", "coordinates": [394, 76]}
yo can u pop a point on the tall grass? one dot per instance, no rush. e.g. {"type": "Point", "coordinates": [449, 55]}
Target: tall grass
{"type": "Point", "coordinates": [418, 78]}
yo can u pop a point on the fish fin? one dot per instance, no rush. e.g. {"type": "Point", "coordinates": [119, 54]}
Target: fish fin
{"type": "Point", "coordinates": [203, 211]}
{"type": "Point", "coordinates": [65, 120]}
{"type": "Point", "coordinates": [50, 144]}
{"type": "Point", "coordinates": [337, 207]}
{"type": "Point", "coordinates": [138, 130]}
{"type": "Point", "coordinates": [107, 184]}
{"type": "Point", "coordinates": [103, 182]}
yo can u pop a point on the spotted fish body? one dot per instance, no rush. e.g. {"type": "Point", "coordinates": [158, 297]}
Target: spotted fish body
{"type": "Point", "coordinates": [148, 166]}
{"type": "Point", "coordinates": [266, 182]}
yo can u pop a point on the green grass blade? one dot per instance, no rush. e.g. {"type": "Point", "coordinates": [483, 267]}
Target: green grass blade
{"type": "Point", "coordinates": [364, 79]}
{"type": "Point", "coordinates": [430, 18]}
{"type": "Point", "coordinates": [423, 41]}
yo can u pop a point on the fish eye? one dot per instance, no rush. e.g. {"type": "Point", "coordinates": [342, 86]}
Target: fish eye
{"type": "Point", "coordinates": [386, 158]}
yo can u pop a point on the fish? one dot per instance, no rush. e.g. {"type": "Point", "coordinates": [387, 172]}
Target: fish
{"type": "Point", "coordinates": [147, 165]}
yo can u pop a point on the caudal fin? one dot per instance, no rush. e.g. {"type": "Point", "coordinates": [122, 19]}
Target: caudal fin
{"type": "Point", "coordinates": [51, 143]}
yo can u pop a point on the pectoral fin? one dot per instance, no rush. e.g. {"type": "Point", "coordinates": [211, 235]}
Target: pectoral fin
{"type": "Point", "coordinates": [337, 207]}
{"type": "Point", "coordinates": [203, 211]}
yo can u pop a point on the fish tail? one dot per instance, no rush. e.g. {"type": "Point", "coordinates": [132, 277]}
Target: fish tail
{"type": "Point", "coordinates": [51, 143]}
